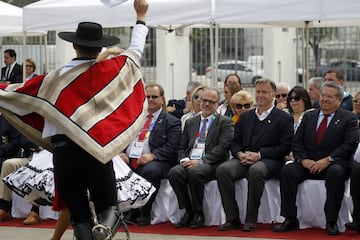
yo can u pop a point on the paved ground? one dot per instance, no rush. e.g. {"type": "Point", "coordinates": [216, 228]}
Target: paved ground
{"type": "Point", "coordinates": [13, 233]}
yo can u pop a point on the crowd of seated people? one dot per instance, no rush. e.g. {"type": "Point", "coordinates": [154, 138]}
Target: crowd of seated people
{"type": "Point", "coordinates": [278, 124]}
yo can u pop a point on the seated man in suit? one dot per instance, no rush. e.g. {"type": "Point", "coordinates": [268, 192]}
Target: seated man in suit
{"type": "Point", "coordinates": [12, 70]}
{"type": "Point", "coordinates": [10, 166]}
{"type": "Point", "coordinates": [261, 141]}
{"type": "Point", "coordinates": [204, 144]}
{"type": "Point", "coordinates": [323, 147]}
{"type": "Point", "coordinates": [9, 142]}
{"type": "Point", "coordinates": [152, 153]}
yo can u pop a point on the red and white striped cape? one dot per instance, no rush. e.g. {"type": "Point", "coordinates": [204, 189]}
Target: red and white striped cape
{"type": "Point", "coordinates": [99, 106]}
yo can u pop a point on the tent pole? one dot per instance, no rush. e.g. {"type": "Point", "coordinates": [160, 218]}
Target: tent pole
{"type": "Point", "coordinates": [46, 53]}
{"type": "Point", "coordinates": [24, 56]}
{"type": "Point", "coordinates": [216, 56]}
{"type": "Point", "coordinates": [213, 67]}
{"type": "Point", "coordinates": [306, 56]}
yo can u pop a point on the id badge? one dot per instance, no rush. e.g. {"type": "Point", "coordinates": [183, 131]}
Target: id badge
{"type": "Point", "coordinates": [197, 151]}
{"type": "Point", "coordinates": [136, 150]}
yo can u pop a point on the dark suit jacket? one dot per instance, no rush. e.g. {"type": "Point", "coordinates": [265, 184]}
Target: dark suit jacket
{"type": "Point", "coordinates": [347, 103]}
{"type": "Point", "coordinates": [16, 71]}
{"type": "Point", "coordinates": [340, 139]}
{"type": "Point", "coordinates": [179, 105]}
{"type": "Point", "coordinates": [275, 141]}
{"type": "Point", "coordinates": [10, 140]}
{"type": "Point", "coordinates": [217, 143]}
{"type": "Point", "coordinates": [165, 137]}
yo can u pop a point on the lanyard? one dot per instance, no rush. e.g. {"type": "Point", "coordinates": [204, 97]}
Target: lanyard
{"type": "Point", "coordinates": [207, 128]}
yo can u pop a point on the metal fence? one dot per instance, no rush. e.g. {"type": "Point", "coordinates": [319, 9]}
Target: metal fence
{"type": "Point", "coordinates": [329, 48]}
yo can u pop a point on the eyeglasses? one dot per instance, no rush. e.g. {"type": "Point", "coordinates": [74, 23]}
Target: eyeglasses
{"type": "Point", "coordinates": [29, 65]}
{"type": "Point", "coordinates": [152, 96]}
{"type": "Point", "coordinates": [208, 101]}
{"type": "Point", "coordinates": [295, 98]}
{"type": "Point", "coordinates": [284, 95]}
{"type": "Point", "coordinates": [196, 96]}
{"type": "Point", "coordinates": [241, 106]}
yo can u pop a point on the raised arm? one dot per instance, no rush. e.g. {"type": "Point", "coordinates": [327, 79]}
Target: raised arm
{"type": "Point", "coordinates": [140, 30]}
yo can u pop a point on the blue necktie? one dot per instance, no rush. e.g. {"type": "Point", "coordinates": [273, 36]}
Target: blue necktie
{"type": "Point", "coordinates": [203, 130]}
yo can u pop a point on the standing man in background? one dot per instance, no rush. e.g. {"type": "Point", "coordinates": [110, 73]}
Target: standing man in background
{"type": "Point", "coordinates": [12, 70]}
{"type": "Point", "coordinates": [337, 76]}
{"type": "Point", "coordinates": [178, 108]}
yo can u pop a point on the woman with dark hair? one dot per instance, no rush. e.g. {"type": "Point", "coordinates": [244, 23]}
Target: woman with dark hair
{"type": "Point", "coordinates": [298, 102]}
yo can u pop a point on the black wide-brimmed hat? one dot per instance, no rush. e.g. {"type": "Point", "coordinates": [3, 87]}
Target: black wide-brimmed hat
{"type": "Point", "coordinates": [89, 34]}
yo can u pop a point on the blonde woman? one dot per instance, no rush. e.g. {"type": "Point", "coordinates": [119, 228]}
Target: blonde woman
{"type": "Point", "coordinates": [240, 102]}
{"type": "Point", "coordinates": [195, 105]}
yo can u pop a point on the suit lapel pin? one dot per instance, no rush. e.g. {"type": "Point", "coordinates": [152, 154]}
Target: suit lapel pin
{"type": "Point", "coordinates": [269, 121]}
{"type": "Point", "coordinates": [160, 121]}
{"type": "Point", "coordinates": [337, 121]}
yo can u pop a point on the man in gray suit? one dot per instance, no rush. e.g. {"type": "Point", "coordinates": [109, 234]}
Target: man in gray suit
{"type": "Point", "coordinates": [204, 144]}
{"type": "Point", "coordinates": [262, 139]}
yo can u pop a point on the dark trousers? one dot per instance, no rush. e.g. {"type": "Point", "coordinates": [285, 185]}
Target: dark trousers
{"type": "Point", "coordinates": [154, 172]}
{"type": "Point", "coordinates": [76, 173]}
{"type": "Point", "coordinates": [184, 180]}
{"type": "Point", "coordinates": [293, 174]}
{"type": "Point", "coordinates": [231, 171]}
{"type": "Point", "coordinates": [355, 192]}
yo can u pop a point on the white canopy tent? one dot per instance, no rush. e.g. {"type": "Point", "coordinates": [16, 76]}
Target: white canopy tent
{"type": "Point", "coordinates": [290, 13]}
{"type": "Point", "coordinates": [12, 24]}
{"type": "Point", "coordinates": [11, 18]}
{"type": "Point", "coordinates": [66, 14]}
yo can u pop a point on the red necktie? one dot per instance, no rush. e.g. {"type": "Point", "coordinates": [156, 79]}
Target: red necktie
{"type": "Point", "coordinates": [141, 137]}
{"type": "Point", "coordinates": [321, 130]}
{"type": "Point", "coordinates": [145, 128]}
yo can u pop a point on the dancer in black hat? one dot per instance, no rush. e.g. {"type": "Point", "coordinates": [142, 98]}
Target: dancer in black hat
{"type": "Point", "coordinates": [88, 110]}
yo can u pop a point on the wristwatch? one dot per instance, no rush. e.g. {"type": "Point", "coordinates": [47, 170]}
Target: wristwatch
{"type": "Point", "coordinates": [140, 22]}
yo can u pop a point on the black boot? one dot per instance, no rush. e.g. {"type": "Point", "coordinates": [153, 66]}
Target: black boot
{"type": "Point", "coordinates": [82, 231]}
{"type": "Point", "coordinates": [109, 221]}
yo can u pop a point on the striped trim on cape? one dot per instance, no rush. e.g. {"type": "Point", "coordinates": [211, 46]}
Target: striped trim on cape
{"type": "Point", "coordinates": [100, 106]}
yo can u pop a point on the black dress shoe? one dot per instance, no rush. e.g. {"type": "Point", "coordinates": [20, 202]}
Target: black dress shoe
{"type": "Point", "coordinates": [185, 220]}
{"type": "Point", "coordinates": [229, 225]}
{"type": "Point", "coordinates": [198, 221]}
{"type": "Point", "coordinates": [131, 216]}
{"type": "Point", "coordinates": [143, 221]}
{"type": "Point", "coordinates": [249, 227]}
{"type": "Point", "coordinates": [332, 229]}
{"type": "Point", "coordinates": [287, 225]}
{"type": "Point", "coordinates": [352, 226]}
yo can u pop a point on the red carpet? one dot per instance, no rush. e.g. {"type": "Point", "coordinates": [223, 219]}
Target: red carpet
{"type": "Point", "coordinates": [263, 231]}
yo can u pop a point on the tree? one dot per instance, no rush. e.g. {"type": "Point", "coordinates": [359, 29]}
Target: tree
{"type": "Point", "coordinates": [316, 36]}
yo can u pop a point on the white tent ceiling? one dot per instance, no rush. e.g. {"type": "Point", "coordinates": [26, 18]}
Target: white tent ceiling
{"type": "Point", "coordinates": [288, 12]}
{"type": "Point", "coordinates": [66, 14]}
{"type": "Point", "coordinates": [11, 18]}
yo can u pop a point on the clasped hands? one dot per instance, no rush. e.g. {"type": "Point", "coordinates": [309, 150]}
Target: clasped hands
{"type": "Point", "coordinates": [248, 158]}
{"type": "Point", "coordinates": [145, 158]}
{"type": "Point", "coordinates": [316, 167]}
{"type": "Point", "coordinates": [188, 163]}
